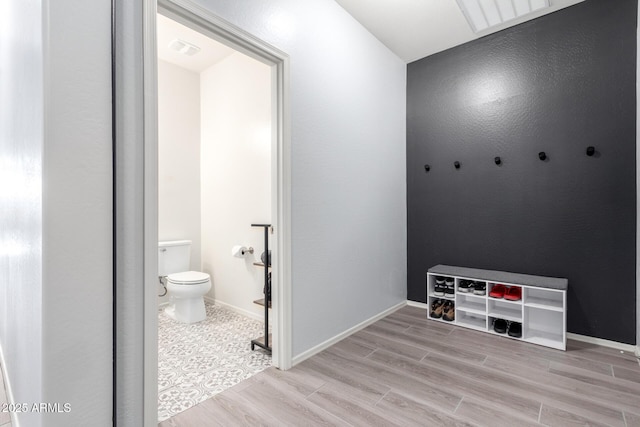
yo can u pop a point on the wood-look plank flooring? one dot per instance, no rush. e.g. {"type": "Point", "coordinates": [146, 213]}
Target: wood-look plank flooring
{"type": "Point", "coordinates": [405, 370]}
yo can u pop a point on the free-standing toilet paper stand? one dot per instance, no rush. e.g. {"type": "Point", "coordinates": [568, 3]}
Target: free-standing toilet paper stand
{"type": "Point", "coordinates": [264, 341]}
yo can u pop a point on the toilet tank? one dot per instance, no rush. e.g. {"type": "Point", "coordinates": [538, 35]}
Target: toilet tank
{"type": "Point", "coordinates": [173, 257]}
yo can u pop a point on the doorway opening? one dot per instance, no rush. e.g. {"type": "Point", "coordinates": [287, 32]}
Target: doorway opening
{"type": "Point", "coordinates": [266, 148]}
{"type": "Point", "coordinates": [214, 185]}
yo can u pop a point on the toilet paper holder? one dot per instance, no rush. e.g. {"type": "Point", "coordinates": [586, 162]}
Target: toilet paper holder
{"type": "Point", "coordinates": [239, 251]}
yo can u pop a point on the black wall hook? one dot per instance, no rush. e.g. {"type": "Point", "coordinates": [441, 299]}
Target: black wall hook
{"type": "Point", "coordinates": [542, 155]}
{"type": "Point", "coordinates": [498, 160]}
{"type": "Point", "coordinates": [427, 168]}
{"type": "Point", "coordinates": [456, 164]}
{"type": "Point", "coordinates": [591, 150]}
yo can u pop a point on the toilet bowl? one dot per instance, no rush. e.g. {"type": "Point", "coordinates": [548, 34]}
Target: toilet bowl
{"type": "Point", "coordinates": [186, 291]}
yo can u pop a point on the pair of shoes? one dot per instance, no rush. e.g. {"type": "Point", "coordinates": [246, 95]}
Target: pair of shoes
{"type": "Point", "coordinates": [449, 311]}
{"type": "Point", "coordinates": [442, 308]}
{"type": "Point", "coordinates": [444, 286]}
{"type": "Point", "coordinates": [469, 286]}
{"type": "Point", "coordinates": [513, 329]}
{"type": "Point", "coordinates": [511, 293]}
{"type": "Point", "coordinates": [437, 308]}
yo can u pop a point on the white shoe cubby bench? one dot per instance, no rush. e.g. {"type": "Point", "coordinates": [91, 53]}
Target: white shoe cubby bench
{"type": "Point", "coordinates": [542, 310]}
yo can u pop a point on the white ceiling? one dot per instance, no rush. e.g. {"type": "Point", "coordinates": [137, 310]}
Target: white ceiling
{"type": "Point", "coordinates": [413, 29]}
{"type": "Point", "coordinates": [210, 53]}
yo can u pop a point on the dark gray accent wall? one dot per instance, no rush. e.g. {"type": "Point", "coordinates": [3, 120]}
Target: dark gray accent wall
{"type": "Point", "coordinates": [556, 84]}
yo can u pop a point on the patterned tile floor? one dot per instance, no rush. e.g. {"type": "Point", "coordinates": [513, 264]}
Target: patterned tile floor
{"type": "Point", "coordinates": [198, 361]}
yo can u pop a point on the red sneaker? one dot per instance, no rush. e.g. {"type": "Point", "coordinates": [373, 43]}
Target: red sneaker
{"type": "Point", "coordinates": [497, 291]}
{"type": "Point", "coordinates": [514, 293]}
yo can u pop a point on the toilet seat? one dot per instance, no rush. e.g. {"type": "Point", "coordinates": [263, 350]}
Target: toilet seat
{"type": "Point", "coordinates": [188, 278]}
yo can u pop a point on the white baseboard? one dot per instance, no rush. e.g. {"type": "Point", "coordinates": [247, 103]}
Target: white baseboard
{"type": "Point", "coordinates": [238, 310]}
{"type": "Point", "coordinates": [331, 341]}
{"type": "Point", "coordinates": [417, 304]}
{"type": "Point", "coordinates": [605, 343]}
{"type": "Point", "coordinates": [7, 389]}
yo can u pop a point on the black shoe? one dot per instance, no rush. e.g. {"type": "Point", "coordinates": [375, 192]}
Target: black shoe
{"type": "Point", "coordinates": [500, 326]}
{"type": "Point", "coordinates": [439, 287]}
{"type": "Point", "coordinates": [515, 329]}
{"type": "Point", "coordinates": [449, 287]}
{"type": "Point", "coordinates": [479, 288]}
{"type": "Point", "coordinates": [464, 286]}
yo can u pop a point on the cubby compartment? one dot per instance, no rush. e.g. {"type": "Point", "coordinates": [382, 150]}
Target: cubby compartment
{"type": "Point", "coordinates": [471, 303]}
{"type": "Point", "coordinates": [431, 285]}
{"type": "Point", "coordinates": [506, 310]}
{"type": "Point", "coordinates": [491, 329]}
{"type": "Point", "coordinates": [431, 301]}
{"type": "Point", "coordinates": [509, 292]}
{"type": "Point", "coordinates": [547, 299]}
{"type": "Point", "coordinates": [471, 320]}
{"type": "Point", "coordinates": [465, 286]}
{"type": "Point", "coordinates": [544, 327]}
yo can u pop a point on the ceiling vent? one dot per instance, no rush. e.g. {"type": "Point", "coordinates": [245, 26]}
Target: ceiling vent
{"type": "Point", "coordinates": [484, 14]}
{"type": "Point", "coordinates": [184, 47]}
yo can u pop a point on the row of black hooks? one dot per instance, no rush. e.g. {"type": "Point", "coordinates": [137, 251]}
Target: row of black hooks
{"type": "Point", "coordinates": [498, 161]}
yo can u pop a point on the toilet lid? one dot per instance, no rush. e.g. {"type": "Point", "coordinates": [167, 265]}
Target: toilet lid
{"type": "Point", "coordinates": [188, 277]}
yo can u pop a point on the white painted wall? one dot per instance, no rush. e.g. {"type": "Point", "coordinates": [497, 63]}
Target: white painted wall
{"type": "Point", "coordinates": [348, 112]}
{"type": "Point", "coordinates": [236, 176]}
{"type": "Point", "coordinates": [179, 158]}
{"type": "Point", "coordinates": [57, 212]}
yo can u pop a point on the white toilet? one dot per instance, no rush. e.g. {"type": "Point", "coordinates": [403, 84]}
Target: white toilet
{"type": "Point", "coordinates": [185, 288]}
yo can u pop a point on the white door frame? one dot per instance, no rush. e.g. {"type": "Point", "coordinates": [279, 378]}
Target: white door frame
{"type": "Point", "coordinates": [202, 20]}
